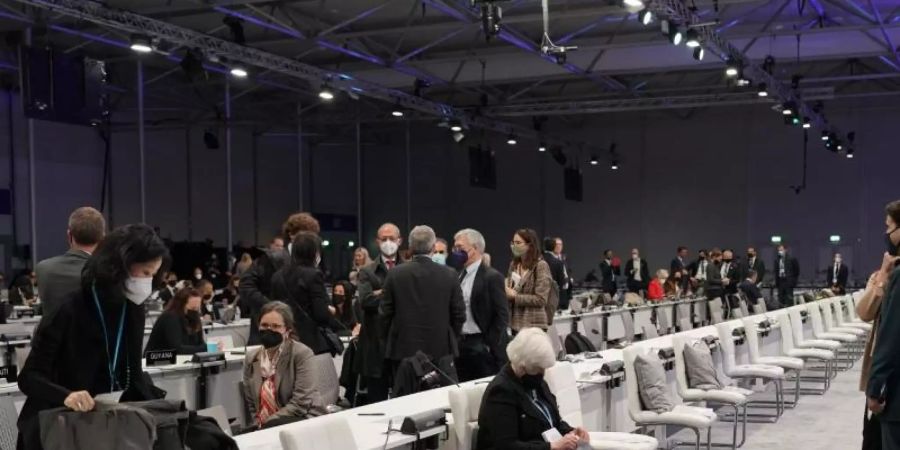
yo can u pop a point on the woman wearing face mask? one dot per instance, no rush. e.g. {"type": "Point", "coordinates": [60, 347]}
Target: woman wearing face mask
{"type": "Point", "coordinates": [229, 296]}
{"type": "Point", "coordinates": [280, 378]}
{"type": "Point", "coordinates": [209, 310]}
{"type": "Point", "coordinates": [342, 300]}
{"type": "Point", "coordinates": [198, 275]}
{"type": "Point", "coordinates": [360, 258]}
{"type": "Point", "coordinates": [655, 291]}
{"type": "Point", "coordinates": [92, 343]}
{"type": "Point", "coordinates": [528, 283]}
{"type": "Point", "coordinates": [179, 327]}
{"type": "Point", "coordinates": [672, 285]}
{"type": "Point", "coordinates": [518, 406]}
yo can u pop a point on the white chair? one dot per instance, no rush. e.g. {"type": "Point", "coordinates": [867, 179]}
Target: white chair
{"type": "Point", "coordinates": [760, 306]}
{"type": "Point", "coordinates": [561, 379]}
{"type": "Point", "coordinates": [683, 316]}
{"type": "Point", "coordinates": [838, 303]}
{"type": "Point", "coordinates": [802, 342]}
{"type": "Point", "coordinates": [818, 326]}
{"type": "Point", "coordinates": [730, 395]}
{"type": "Point", "coordinates": [749, 371]}
{"type": "Point", "coordinates": [324, 433]}
{"type": "Point", "coordinates": [716, 314]}
{"type": "Point", "coordinates": [691, 417]}
{"type": "Point", "coordinates": [833, 322]}
{"type": "Point", "coordinates": [853, 319]}
{"type": "Point", "coordinates": [791, 326]}
{"type": "Point", "coordinates": [787, 363]}
{"type": "Point", "coordinates": [465, 402]}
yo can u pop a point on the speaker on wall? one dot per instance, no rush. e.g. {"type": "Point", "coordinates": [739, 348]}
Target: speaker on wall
{"type": "Point", "coordinates": [572, 182]}
{"type": "Point", "coordinates": [482, 167]}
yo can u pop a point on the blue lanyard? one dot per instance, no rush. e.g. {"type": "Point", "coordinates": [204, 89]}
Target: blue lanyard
{"type": "Point", "coordinates": [115, 357]}
{"type": "Point", "coordinates": [542, 408]}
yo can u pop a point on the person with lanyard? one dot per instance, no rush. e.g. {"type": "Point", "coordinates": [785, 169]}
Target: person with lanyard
{"type": "Point", "coordinates": [92, 344]}
{"type": "Point", "coordinates": [518, 411]}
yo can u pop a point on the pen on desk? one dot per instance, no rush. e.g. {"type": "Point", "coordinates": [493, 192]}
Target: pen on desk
{"type": "Point", "coordinates": [369, 414]}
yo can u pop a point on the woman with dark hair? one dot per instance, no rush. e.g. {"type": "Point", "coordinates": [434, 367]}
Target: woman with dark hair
{"type": "Point", "coordinates": [302, 287]}
{"type": "Point", "coordinates": [179, 327]}
{"type": "Point", "coordinates": [229, 295]}
{"type": "Point", "coordinates": [528, 283]}
{"type": "Point", "coordinates": [342, 300]}
{"type": "Point", "coordinates": [22, 291]}
{"type": "Point", "coordinates": [92, 343]}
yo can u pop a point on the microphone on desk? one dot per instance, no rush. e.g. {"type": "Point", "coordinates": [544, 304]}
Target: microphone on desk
{"type": "Point", "coordinates": [387, 434]}
{"type": "Point", "coordinates": [437, 369]}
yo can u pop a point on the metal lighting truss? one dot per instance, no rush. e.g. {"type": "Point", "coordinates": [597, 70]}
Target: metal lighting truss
{"type": "Point", "coordinates": [130, 22]}
{"type": "Point", "coordinates": [677, 11]}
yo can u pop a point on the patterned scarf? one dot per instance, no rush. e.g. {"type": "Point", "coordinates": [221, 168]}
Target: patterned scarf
{"type": "Point", "coordinates": [268, 405]}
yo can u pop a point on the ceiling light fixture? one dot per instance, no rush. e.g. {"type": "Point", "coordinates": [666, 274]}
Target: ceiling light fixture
{"type": "Point", "coordinates": [731, 68]}
{"type": "Point", "coordinates": [806, 123]}
{"type": "Point", "coordinates": [671, 30]}
{"type": "Point", "coordinates": [699, 53]}
{"type": "Point", "coordinates": [141, 43]}
{"type": "Point", "coordinates": [511, 140]}
{"type": "Point", "coordinates": [239, 72]}
{"type": "Point", "coordinates": [693, 38]}
{"type": "Point", "coordinates": [326, 93]}
{"type": "Point", "coordinates": [594, 160]}
{"type": "Point", "coordinates": [761, 90]}
{"type": "Point", "coordinates": [645, 16]}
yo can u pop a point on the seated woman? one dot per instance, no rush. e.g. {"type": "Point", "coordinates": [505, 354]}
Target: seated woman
{"type": "Point", "coordinates": [655, 291]}
{"type": "Point", "coordinates": [672, 286]}
{"type": "Point", "coordinates": [518, 407]}
{"type": "Point", "coordinates": [178, 327]}
{"type": "Point", "coordinates": [279, 377]}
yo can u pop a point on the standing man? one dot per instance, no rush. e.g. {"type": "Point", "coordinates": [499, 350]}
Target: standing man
{"type": "Point", "coordinates": [754, 264]}
{"type": "Point", "coordinates": [679, 265]}
{"type": "Point", "coordinates": [422, 309]}
{"type": "Point", "coordinates": [60, 275]}
{"type": "Point", "coordinates": [750, 289]}
{"type": "Point", "coordinates": [256, 282]}
{"type": "Point", "coordinates": [637, 272]}
{"type": "Point", "coordinates": [565, 289]}
{"type": "Point", "coordinates": [698, 270]}
{"type": "Point", "coordinates": [609, 273]}
{"type": "Point", "coordinates": [557, 268]}
{"type": "Point", "coordinates": [714, 281]}
{"type": "Point", "coordinates": [441, 251]}
{"type": "Point", "coordinates": [370, 350]}
{"type": "Point", "coordinates": [730, 275]}
{"type": "Point", "coordinates": [837, 275]}
{"type": "Point", "coordinates": [482, 350]}
{"type": "Point", "coordinates": [787, 271]}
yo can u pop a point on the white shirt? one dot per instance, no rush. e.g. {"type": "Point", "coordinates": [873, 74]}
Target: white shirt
{"type": "Point", "coordinates": [701, 270]}
{"type": "Point", "coordinates": [636, 263]}
{"type": "Point", "coordinates": [725, 267]}
{"type": "Point", "coordinates": [466, 284]}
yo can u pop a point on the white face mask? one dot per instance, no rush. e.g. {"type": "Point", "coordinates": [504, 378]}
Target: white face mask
{"type": "Point", "coordinates": [389, 248]}
{"type": "Point", "coordinates": [138, 289]}
{"type": "Point", "coordinates": [198, 276]}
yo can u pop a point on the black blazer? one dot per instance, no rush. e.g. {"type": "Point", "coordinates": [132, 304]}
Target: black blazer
{"type": "Point", "coordinates": [369, 358]}
{"type": "Point", "coordinates": [629, 271]}
{"type": "Point", "coordinates": [303, 288]}
{"type": "Point", "coordinates": [714, 286]}
{"type": "Point", "coordinates": [509, 420]}
{"type": "Point", "coordinates": [170, 332]}
{"type": "Point", "coordinates": [676, 265]}
{"type": "Point", "coordinates": [255, 287]}
{"type": "Point", "coordinates": [68, 354]}
{"type": "Point", "coordinates": [490, 309]}
{"type": "Point", "coordinates": [883, 380]}
{"type": "Point", "coordinates": [791, 272]}
{"type": "Point", "coordinates": [843, 274]}
{"type": "Point", "coordinates": [58, 277]}
{"type": "Point", "coordinates": [750, 290]}
{"type": "Point", "coordinates": [734, 277]}
{"type": "Point", "coordinates": [609, 272]}
{"type": "Point", "coordinates": [422, 310]}
{"type": "Point", "coordinates": [557, 269]}
{"type": "Point", "coordinates": [758, 266]}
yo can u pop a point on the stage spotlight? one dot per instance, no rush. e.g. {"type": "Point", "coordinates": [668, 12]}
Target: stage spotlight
{"type": "Point", "coordinates": [236, 26]}
{"type": "Point", "coordinates": [141, 43]}
{"type": "Point", "coordinates": [693, 38]}
{"type": "Point", "coordinates": [326, 93]}
{"type": "Point", "coordinates": [594, 160]}
{"type": "Point", "coordinates": [239, 72]}
{"type": "Point", "coordinates": [511, 140]}
{"type": "Point", "coordinates": [192, 65]}
{"type": "Point", "coordinates": [806, 123]}
{"type": "Point", "coordinates": [615, 165]}
{"type": "Point", "coordinates": [731, 68]}
{"type": "Point", "coordinates": [699, 53]}
{"type": "Point", "coordinates": [671, 30]}
{"type": "Point", "coordinates": [840, 146]}
{"type": "Point", "coordinates": [761, 90]}
{"type": "Point", "coordinates": [742, 80]}
{"type": "Point", "coordinates": [645, 16]}
{"type": "Point", "coordinates": [795, 120]}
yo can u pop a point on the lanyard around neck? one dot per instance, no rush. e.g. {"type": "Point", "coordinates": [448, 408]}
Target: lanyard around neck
{"type": "Point", "coordinates": [542, 408]}
{"type": "Point", "coordinates": [111, 361]}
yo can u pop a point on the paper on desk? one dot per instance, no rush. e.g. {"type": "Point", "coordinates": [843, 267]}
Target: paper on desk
{"type": "Point", "coordinates": [110, 398]}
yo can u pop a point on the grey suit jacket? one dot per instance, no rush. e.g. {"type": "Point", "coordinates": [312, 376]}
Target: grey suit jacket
{"type": "Point", "coordinates": [295, 378]}
{"type": "Point", "coordinates": [58, 277]}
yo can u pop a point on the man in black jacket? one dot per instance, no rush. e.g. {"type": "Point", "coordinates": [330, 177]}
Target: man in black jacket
{"type": "Point", "coordinates": [484, 337]}
{"type": "Point", "coordinates": [256, 283]}
{"type": "Point", "coordinates": [730, 272]}
{"type": "Point", "coordinates": [422, 309]}
{"type": "Point", "coordinates": [637, 272]}
{"type": "Point", "coordinates": [749, 287]}
{"type": "Point", "coordinates": [837, 275]}
{"type": "Point", "coordinates": [609, 273]}
{"type": "Point", "coordinates": [679, 264]}
{"type": "Point", "coordinates": [370, 351]}
{"type": "Point", "coordinates": [715, 285]}
{"type": "Point", "coordinates": [756, 264]}
{"type": "Point", "coordinates": [787, 271]}
{"type": "Point", "coordinates": [557, 270]}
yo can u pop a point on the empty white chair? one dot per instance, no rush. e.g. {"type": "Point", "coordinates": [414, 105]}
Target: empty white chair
{"type": "Point", "coordinates": [323, 433]}
{"type": "Point", "coordinates": [748, 371]}
{"type": "Point", "coordinates": [691, 417]}
{"type": "Point", "coordinates": [818, 326]}
{"type": "Point", "coordinates": [716, 315]}
{"type": "Point", "coordinates": [465, 402]}
{"type": "Point", "coordinates": [683, 316]}
{"type": "Point", "coordinates": [838, 303]}
{"type": "Point", "coordinates": [760, 306]}
{"type": "Point", "coordinates": [787, 363]}
{"type": "Point", "coordinates": [730, 395]}
{"type": "Point", "coordinates": [561, 379]}
{"type": "Point", "coordinates": [789, 323]}
{"type": "Point", "coordinates": [802, 342]}
{"type": "Point", "coordinates": [853, 319]}
{"type": "Point", "coordinates": [831, 324]}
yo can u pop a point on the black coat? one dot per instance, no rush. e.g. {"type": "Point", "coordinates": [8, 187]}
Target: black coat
{"type": "Point", "coordinates": [558, 273]}
{"type": "Point", "coordinates": [758, 266]}
{"type": "Point", "coordinates": [256, 287]}
{"type": "Point", "coordinates": [490, 309]}
{"type": "Point", "coordinates": [714, 286]}
{"type": "Point", "coordinates": [370, 350]}
{"type": "Point", "coordinates": [170, 332]}
{"type": "Point", "coordinates": [791, 272]}
{"type": "Point", "coordinates": [751, 290]}
{"type": "Point", "coordinates": [509, 420]}
{"type": "Point", "coordinates": [734, 277]}
{"type": "Point", "coordinates": [843, 275]}
{"type": "Point", "coordinates": [303, 288]}
{"type": "Point", "coordinates": [608, 272]}
{"type": "Point", "coordinates": [883, 380]}
{"type": "Point", "coordinates": [629, 273]}
{"type": "Point", "coordinates": [68, 354]}
{"type": "Point", "coordinates": [422, 310]}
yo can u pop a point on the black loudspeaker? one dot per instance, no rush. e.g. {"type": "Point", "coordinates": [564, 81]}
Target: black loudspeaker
{"type": "Point", "coordinates": [572, 181]}
{"type": "Point", "coordinates": [63, 87]}
{"type": "Point", "coordinates": [482, 167]}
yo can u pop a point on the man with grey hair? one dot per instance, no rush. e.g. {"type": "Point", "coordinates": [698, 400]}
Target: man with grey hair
{"type": "Point", "coordinates": [60, 275]}
{"type": "Point", "coordinates": [422, 309]}
{"type": "Point", "coordinates": [483, 345]}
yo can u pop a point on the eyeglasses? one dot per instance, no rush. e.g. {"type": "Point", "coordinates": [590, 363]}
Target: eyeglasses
{"type": "Point", "coordinates": [271, 326]}
{"type": "Point", "coordinates": [517, 243]}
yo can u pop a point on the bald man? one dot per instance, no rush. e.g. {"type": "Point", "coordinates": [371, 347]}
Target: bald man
{"type": "Point", "coordinates": [370, 350]}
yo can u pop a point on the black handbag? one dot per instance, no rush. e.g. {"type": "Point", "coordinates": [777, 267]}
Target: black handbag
{"type": "Point", "coordinates": [871, 430]}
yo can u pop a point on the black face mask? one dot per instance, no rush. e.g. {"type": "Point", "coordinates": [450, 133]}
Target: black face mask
{"type": "Point", "coordinates": [337, 299]}
{"type": "Point", "coordinates": [751, 255]}
{"type": "Point", "coordinates": [532, 381]}
{"type": "Point", "coordinates": [890, 246]}
{"type": "Point", "coordinates": [727, 260]}
{"type": "Point", "coordinates": [702, 258]}
{"type": "Point", "coordinates": [193, 317]}
{"type": "Point", "coordinates": [172, 283]}
{"type": "Point", "coordinates": [270, 339]}
{"type": "Point", "coordinates": [207, 297]}
{"type": "Point", "coordinates": [457, 259]}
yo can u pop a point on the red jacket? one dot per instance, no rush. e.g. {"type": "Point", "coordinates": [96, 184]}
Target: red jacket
{"type": "Point", "coordinates": [655, 291]}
